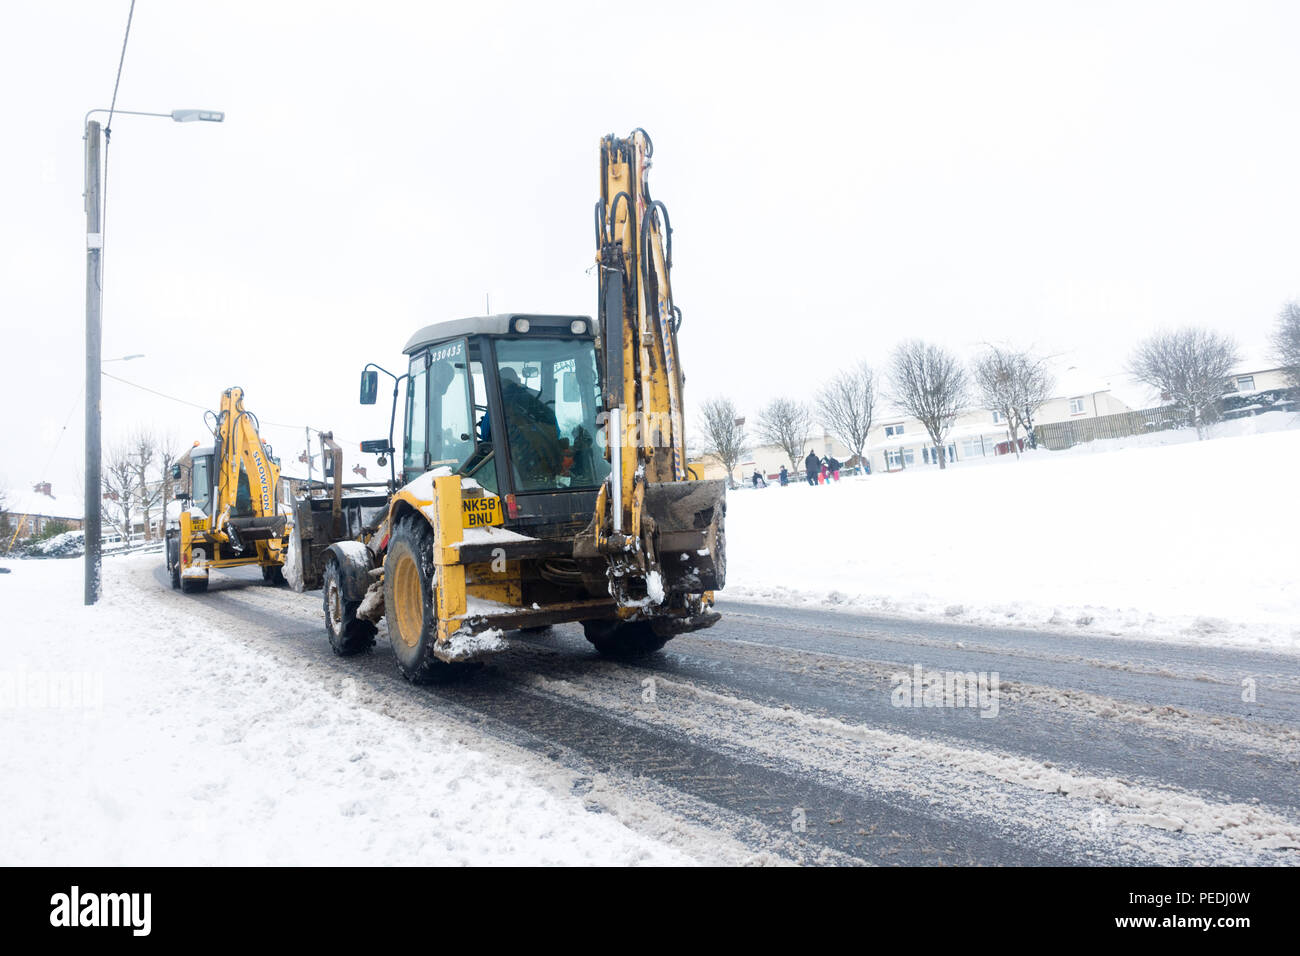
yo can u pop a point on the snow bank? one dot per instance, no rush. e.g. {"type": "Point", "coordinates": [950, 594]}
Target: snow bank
{"type": "Point", "coordinates": [1166, 538]}
{"type": "Point", "coordinates": [137, 733]}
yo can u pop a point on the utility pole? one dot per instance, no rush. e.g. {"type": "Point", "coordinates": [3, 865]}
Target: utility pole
{"type": "Point", "coordinates": [94, 302]}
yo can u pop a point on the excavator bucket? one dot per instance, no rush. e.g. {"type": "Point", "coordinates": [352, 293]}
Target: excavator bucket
{"type": "Point", "coordinates": [688, 529]}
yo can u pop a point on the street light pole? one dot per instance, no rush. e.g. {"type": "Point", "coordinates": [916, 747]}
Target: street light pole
{"type": "Point", "coordinates": [94, 250]}
{"type": "Point", "coordinates": [94, 306]}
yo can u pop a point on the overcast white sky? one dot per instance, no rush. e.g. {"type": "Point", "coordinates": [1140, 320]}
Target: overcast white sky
{"type": "Point", "coordinates": [839, 176]}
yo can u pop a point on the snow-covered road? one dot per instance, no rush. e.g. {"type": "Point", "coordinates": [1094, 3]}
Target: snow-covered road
{"type": "Point", "coordinates": [230, 733]}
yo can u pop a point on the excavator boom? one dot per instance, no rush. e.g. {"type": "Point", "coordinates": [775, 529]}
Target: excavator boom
{"type": "Point", "coordinates": [650, 509]}
{"type": "Point", "coordinates": [235, 516]}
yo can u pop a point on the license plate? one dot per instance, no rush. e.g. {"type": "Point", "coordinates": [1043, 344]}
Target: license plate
{"type": "Point", "coordinates": [481, 512]}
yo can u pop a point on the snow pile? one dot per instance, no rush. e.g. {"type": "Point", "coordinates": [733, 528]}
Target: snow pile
{"type": "Point", "coordinates": [464, 646]}
{"type": "Point", "coordinates": [1168, 538]}
{"type": "Point", "coordinates": [187, 744]}
{"type": "Point", "coordinates": [69, 544]}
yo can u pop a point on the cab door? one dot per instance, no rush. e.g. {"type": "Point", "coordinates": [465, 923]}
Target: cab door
{"type": "Point", "coordinates": [439, 410]}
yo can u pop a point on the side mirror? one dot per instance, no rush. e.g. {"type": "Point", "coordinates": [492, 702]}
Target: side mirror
{"type": "Point", "coordinates": [376, 446]}
{"type": "Point", "coordinates": [369, 386]}
{"type": "Point", "coordinates": [176, 471]}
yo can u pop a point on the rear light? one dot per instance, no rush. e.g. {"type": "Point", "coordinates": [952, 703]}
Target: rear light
{"type": "Point", "coordinates": [512, 506]}
{"type": "Point", "coordinates": [578, 326]}
{"type": "Point", "coordinates": [522, 325]}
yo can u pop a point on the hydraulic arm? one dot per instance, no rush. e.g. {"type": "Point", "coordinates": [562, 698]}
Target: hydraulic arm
{"type": "Point", "coordinates": [649, 506]}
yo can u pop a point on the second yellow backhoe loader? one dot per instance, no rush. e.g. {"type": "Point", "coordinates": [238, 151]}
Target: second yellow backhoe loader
{"type": "Point", "coordinates": [543, 470]}
{"type": "Point", "coordinates": [232, 514]}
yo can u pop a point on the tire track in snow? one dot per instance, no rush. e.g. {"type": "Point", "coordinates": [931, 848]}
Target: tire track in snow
{"type": "Point", "coordinates": [729, 756]}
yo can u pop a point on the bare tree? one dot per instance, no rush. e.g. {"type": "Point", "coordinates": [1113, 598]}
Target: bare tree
{"type": "Point", "coordinates": [724, 434]}
{"type": "Point", "coordinates": [120, 485]}
{"type": "Point", "coordinates": [6, 526]}
{"type": "Point", "coordinates": [786, 424]}
{"type": "Point", "coordinates": [930, 384]}
{"type": "Point", "coordinates": [144, 451]}
{"type": "Point", "coordinates": [1286, 341]}
{"type": "Point", "coordinates": [167, 457]}
{"type": "Point", "coordinates": [1190, 366]}
{"type": "Point", "coordinates": [1015, 384]}
{"type": "Point", "coordinates": [847, 405]}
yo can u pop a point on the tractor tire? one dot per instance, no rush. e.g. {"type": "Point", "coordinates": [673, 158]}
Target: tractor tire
{"type": "Point", "coordinates": [623, 640]}
{"type": "Point", "coordinates": [348, 633]}
{"type": "Point", "coordinates": [273, 576]}
{"type": "Point", "coordinates": [193, 585]}
{"type": "Point", "coordinates": [409, 605]}
{"type": "Point", "coordinates": [171, 549]}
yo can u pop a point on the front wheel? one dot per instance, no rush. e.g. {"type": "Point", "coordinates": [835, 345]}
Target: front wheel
{"type": "Point", "coordinates": [273, 576]}
{"type": "Point", "coordinates": [624, 640]}
{"type": "Point", "coordinates": [409, 605]}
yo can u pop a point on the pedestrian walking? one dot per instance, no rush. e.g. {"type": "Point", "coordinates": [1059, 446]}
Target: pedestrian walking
{"type": "Point", "coordinates": [812, 466]}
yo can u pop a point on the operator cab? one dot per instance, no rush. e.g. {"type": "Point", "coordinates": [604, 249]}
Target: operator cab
{"type": "Point", "coordinates": [514, 402]}
{"type": "Point", "coordinates": [202, 473]}
{"type": "Point", "coordinates": [201, 476]}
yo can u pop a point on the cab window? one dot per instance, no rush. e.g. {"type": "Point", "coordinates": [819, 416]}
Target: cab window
{"type": "Point", "coordinates": [451, 425]}
{"type": "Point", "coordinates": [201, 482]}
{"type": "Point", "coordinates": [415, 443]}
{"type": "Point", "coordinates": [551, 397]}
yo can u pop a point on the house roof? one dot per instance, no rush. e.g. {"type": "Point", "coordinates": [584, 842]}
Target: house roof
{"type": "Point", "coordinates": [1073, 381]}
{"type": "Point", "coordinates": [20, 502]}
{"type": "Point", "coordinates": [1255, 360]}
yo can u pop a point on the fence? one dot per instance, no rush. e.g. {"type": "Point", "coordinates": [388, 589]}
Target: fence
{"type": "Point", "coordinates": [1058, 436]}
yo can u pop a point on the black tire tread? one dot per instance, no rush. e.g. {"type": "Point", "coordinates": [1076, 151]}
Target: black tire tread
{"type": "Point", "coordinates": [624, 640]}
{"type": "Point", "coordinates": [426, 668]}
{"type": "Point", "coordinates": [356, 636]}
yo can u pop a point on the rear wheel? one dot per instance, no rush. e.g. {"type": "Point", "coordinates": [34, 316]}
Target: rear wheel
{"type": "Point", "coordinates": [624, 640]}
{"type": "Point", "coordinates": [409, 604]}
{"type": "Point", "coordinates": [348, 633]}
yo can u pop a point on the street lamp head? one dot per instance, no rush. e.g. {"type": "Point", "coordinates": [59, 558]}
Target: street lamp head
{"type": "Point", "coordinates": [207, 116]}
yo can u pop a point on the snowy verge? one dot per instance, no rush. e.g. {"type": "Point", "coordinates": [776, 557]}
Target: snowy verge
{"type": "Point", "coordinates": [1165, 538]}
{"type": "Point", "coordinates": [137, 733]}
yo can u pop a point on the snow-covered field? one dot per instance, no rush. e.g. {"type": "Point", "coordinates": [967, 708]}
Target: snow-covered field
{"type": "Point", "coordinates": [1159, 537]}
{"type": "Point", "coordinates": [136, 734]}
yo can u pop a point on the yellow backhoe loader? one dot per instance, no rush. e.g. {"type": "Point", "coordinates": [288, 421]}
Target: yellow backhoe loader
{"type": "Point", "coordinates": [231, 511]}
{"type": "Point", "coordinates": [543, 472]}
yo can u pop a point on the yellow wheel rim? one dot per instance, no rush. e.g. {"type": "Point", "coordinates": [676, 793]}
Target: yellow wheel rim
{"type": "Point", "coordinates": [410, 600]}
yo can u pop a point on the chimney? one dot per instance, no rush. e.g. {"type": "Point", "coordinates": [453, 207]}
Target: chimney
{"type": "Point", "coordinates": [43, 488]}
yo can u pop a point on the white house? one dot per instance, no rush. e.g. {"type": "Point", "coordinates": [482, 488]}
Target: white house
{"type": "Point", "coordinates": [1256, 374]}
{"type": "Point", "coordinates": [899, 441]}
